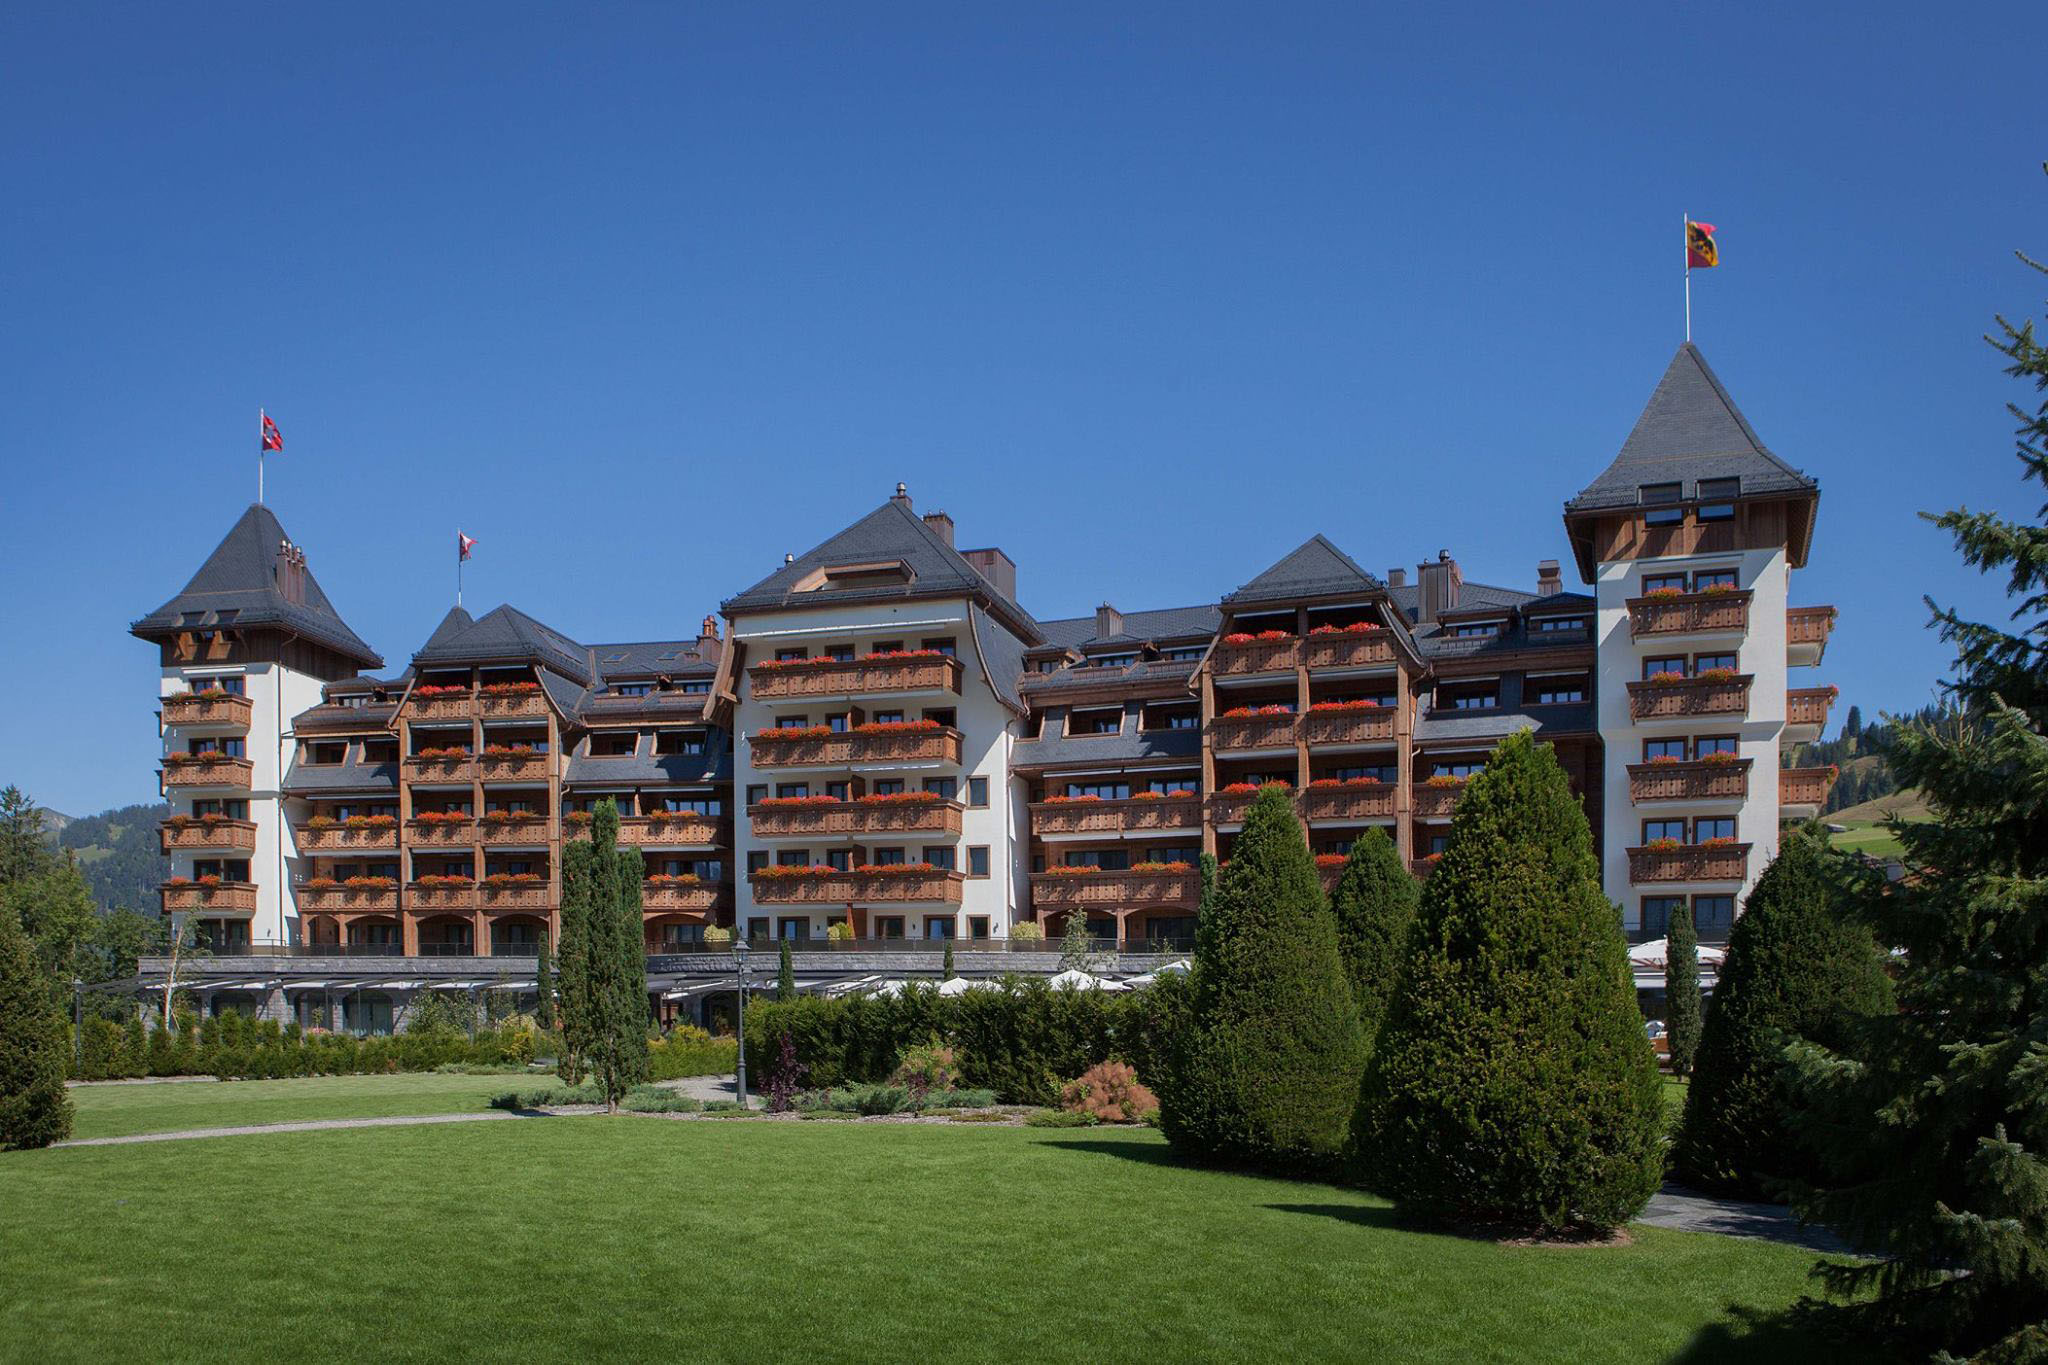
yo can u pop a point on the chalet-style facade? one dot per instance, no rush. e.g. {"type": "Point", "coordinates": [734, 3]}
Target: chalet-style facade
{"type": "Point", "coordinates": [884, 737]}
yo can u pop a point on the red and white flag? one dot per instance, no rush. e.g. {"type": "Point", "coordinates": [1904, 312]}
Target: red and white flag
{"type": "Point", "coordinates": [273, 439]}
{"type": "Point", "coordinates": [463, 545]}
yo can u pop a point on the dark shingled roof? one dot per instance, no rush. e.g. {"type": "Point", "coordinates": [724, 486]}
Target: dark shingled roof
{"type": "Point", "coordinates": [1129, 745]}
{"type": "Point", "coordinates": [1167, 623]}
{"type": "Point", "coordinates": [891, 532]}
{"type": "Point", "coordinates": [341, 778]}
{"type": "Point", "coordinates": [502, 635]}
{"type": "Point", "coordinates": [1457, 727]}
{"type": "Point", "coordinates": [639, 659]}
{"type": "Point", "coordinates": [1690, 430]}
{"type": "Point", "coordinates": [238, 581]}
{"type": "Point", "coordinates": [1315, 569]}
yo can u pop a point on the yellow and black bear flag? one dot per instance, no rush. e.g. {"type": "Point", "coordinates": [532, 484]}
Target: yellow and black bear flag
{"type": "Point", "coordinates": [1700, 251]}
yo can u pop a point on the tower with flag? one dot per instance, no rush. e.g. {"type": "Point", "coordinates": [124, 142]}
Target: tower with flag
{"type": "Point", "coordinates": [268, 438]}
{"type": "Point", "coordinates": [1702, 253]}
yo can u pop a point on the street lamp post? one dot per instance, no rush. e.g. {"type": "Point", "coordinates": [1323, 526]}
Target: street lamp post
{"type": "Point", "coordinates": [77, 1024]}
{"type": "Point", "coordinates": [739, 962]}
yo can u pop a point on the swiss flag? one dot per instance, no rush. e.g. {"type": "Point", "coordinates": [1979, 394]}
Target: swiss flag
{"type": "Point", "coordinates": [273, 439]}
{"type": "Point", "coordinates": [463, 545]}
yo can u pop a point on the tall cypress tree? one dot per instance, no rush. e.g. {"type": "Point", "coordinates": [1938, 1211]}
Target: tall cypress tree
{"type": "Point", "coordinates": [1934, 1121]}
{"type": "Point", "coordinates": [1682, 990]}
{"type": "Point", "coordinates": [1512, 1083]}
{"type": "Point", "coordinates": [1270, 1061]}
{"type": "Point", "coordinates": [544, 986]}
{"type": "Point", "coordinates": [1374, 903]}
{"type": "Point", "coordinates": [583, 876]}
{"type": "Point", "coordinates": [616, 1049]}
{"type": "Point", "coordinates": [1794, 969]}
{"type": "Point", "coordinates": [785, 975]}
{"type": "Point", "coordinates": [34, 1110]}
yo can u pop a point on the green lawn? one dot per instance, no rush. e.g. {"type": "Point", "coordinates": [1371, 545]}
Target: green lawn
{"type": "Point", "coordinates": [118, 1110]}
{"type": "Point", "coordinates": [641, 1238]}
{"type": "Point", "coordinates": [1876, 840]}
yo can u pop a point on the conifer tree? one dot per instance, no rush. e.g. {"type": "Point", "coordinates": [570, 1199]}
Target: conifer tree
{"type": "Point", "coordinates": [946, 968]}
{"type": "Point", "coordinates": [1374, 903]}
{"type": "Point", "coordinates": [1681, 990]}
{"type": "Point", "coordinates": [544, 985]}
{"type": "Point", "coordinates": [785, 976]}
{"type": "Point", "coordinates": [34, 1110]}
{"type": "Point", "coordinates": [1512, 1083]}
{"type": "Point", "coordinates": [1794, 969]}
{"type": "Point", "coordinates": [1933, 1123]}
{"type": "Point", "coordinates": [584, 877]}
{"type": "Point", "coordinates": [615, 1041]}
{"type": "Point", "coordinates": [1269, 1066]}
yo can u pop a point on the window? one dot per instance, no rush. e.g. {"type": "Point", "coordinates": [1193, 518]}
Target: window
{"type": "Point", "coordinates": [1049, 665]}
{"type": "Point", "coordinates": [792, 722]}
{"type": "Point", "coordinates": [1712, 916]}
{"type": "Point", "coordinates": [888, 857]}
{"type": "Point", "coordinates": [943, 645]}
{"type": "Point", "coordinates": [790, 789]}
{"type": "Point", "coordinates": [839, 859]}
{"type": "Point", "coordinates": [1439, 842]}
{"type": "Point", "coordinates": [941, 787]}
{"type": "Point", "coordinates": [679, 742]}
{"type": "Point", "coordinates": [1095, 722]}
{"type": "Point", "coordinates": [938, 926]}
{"type": "Point", "coordinates": [1663, 582]}
{"type": "Point", "coordinates": [632, 689]}
{"type": "Point", "coordinates": [757, 793]}
{"type": "Point", "coordinates": [1172, 853]}
{"type": "Point", "coordinates": [977, 866]}
{"type": "Point", "coordinates": [1457, 767]}
{"type": "Point", "coordinates": [1476, 630]}
{"type": "Point", "coordinates": [792, 857]}
{"type": "Point", "coordinates": [1671, 664]}
{"type": "Point", "coordinates": [888, 926]}
{"type": "Point", "coordinates": [793, 927]}
{"type": "Point", "coordinates": [888, 647]}
{"type": "Point", "coordinates": [1717, 499]}
{"type": "Point", "coordinates": [887, 786]}
{"type": "Point", "coordinates": [1702, 662]}
{"type": "Point", "coordinates": [1172, 786]}
{"type": "Point", "coordinates": [1555, 625]}
{"type": "Point", "coordinates": [977, 926]}
{"type": "Point", "coordinates": [1667, 749]}
{"type": "Point", "coordinates": [1105, 790]}
{"type": "Point", "coordinates": [1657, 912]}
{"type": "Point", "coordinates": [977, 792]}
{"type": "Point", "coordinates": [838, 791]}
{"type": "Point", "coordinates": [941, 856]}
{"type": "Point", "coordinates": [327, 752]}
{"type": "Point", "coordinates": [790, 656]}
{"type": "Point", "coordinates": [1171, 718]}
{"type": "Point", "coordinates": [1654, 496]}
{"type": "Point", "coordinates": [614, 745]}
{"type": "Point", "coordinates": [838, 722]}
{"type": "Point", "coordinates": [1654, 830]}
{"type": "Point", "coordinates": [1713, 827]}
{"type": "Point", "coordinates": [695, 687]}
{"type": "Point", "coordinates": [942, 715]}
{"type": "Point", "coordinates": [1106, 859]}
{"type": "Point", "coordinates": [837, 653]}
{"type": "Point", "coordinates": [1468, 696]}
{"type": "Point", "coordinates": [1363, 773]}
{"type": "Point", "coordinates": [1184, 654]}
{"type": "Point", "coordinates": [1114, 660]}
{"type": "Point", "coordinates": [1713, 578]}
{"type": "Point", "coordinates": [887, 718]}
{"type": "Point", "coordinates": [1715, 744]}
{"type": "Point", "coordinates": [1557, 691]}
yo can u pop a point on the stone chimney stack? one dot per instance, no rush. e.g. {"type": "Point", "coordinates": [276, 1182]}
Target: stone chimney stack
{"type": "Point", "coordinates": [1549, 579]}
{"type": "Point", "coordinates": [288, 572]}
{"type": "Point", "coordinates": [1108, 622]}
{"type": "Point", "coordinates": [941, 523]}
{"type": "Point", "coordinates": [709, 646]}
{"type": "Point", "coordinates": [995, 566]}
{"type": "Point", "coordinates": [1439, 583]}
{"type": "Point", "coordinates": [1397, 577]}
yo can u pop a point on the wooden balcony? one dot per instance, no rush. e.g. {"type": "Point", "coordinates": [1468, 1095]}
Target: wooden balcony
{"type": "Point", "coordinates": [668, 898]}
{"type": "Point", "coordinates": [207, 770]}
{"type": "Point", "coordinates": [1366, 649]}
{"type": "Point", "coordinates": [1689, 781]}
{"type": "Point", "coordinates": [199, 834]}
{"type": "Point", "coordinates": [853, 746]}
{"type": "Point", "coordinates": [1806, 634]}
{"type": "Point", "coordinates": [1232, 734]}
{"type": "Point", "coordinates": [669, 828]}
{"type": "Point", "coordinates": [853, 677]}
{"type": "Point", "coordinates": [534, 829]}
{"type": "Point", "coordinates": [1685, 698]}
{"type": "Point", "coordinates": [347, 838]}
{"type": "Point", "coordinates": [847, 887]}
{"type": "Point", "coordinates": [346, 899]}
{"type": "Point", "coordinates": [1689, 863]}
{"type": "Point", "coordinates": [421, 896]}
{"type": "Point", "coordinates": [418, 768]}
{"type": "Point", "coordinates": [1256, 656]}
{"type": "Point", "coordinates": [520, 767]}
{"type": "Point", "coordinates": [1803, 791]}
{"type": "Point", "coordinates": [447, 706]}
{"type": "Point", "coordinates": [1347, 802]}
{"type": "Point", "coordinates": [1689, 613]}
{"type": "Point", "coordinates": [513, 705]}
{"type": "Point", "coordinates": [1130, 889]}
{"type": "Point", "coordinates": [846, 819]}
{"type": "Point", "coordinates": [1806, 713]}
{"type": "Point", "coordinates": [228, 898]}
{"type": "Point", "coordinates": [440, 833]}
{"type": "Point", "coordinates": [515, 895]}
{"type": "Point", "coordinates": [1436, 801]}
{"type": "Point", "coordinates": [223, 711]}
{"type": "Point", "coordinates": [1228, 807]}
{"type": "Point", "coordinates": [1137, 814]}
{"type": "Point", "coordinates": [1367, 725]}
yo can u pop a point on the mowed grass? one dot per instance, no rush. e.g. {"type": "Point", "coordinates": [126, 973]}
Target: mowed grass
{"type": "Point", "coordinates": [119, 1110]}
{"type": "Point", "coordinates": [642, 1238]}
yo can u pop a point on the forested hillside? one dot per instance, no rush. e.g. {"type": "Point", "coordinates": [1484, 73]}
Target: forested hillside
{"type": "Point", "coordinates": [119, 854]}
{"type": "Point", "coordinates": [1858, 754]}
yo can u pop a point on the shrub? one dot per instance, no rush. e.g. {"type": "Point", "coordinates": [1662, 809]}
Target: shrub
{"type": "Point", "coordinates": [1512, 1083]}
{"type": "Point", "coordinates": [1374, 904]}
{"type": "Point", "coordinates": [1058, 1118]}
{"type": "Point", "coordinates": [549, 1097]}
{"type": "Point", "coordinates": [1111, 1093]}
{"type": "Point", "coordinates": [652, 1099]}
{"type": "Point", "coordinates": [1268, 1072]}
{"type": "Point", "coordinates": [1794, 969]}
{"type": "Point", "coordinates": [928, 1067]}
{"type": "Point", "coordinates": [985, 1116]}
{"type": "Point", "coordinates": [34, 1110]}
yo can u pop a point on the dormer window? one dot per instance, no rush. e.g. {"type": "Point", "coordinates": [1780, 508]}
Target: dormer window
{"type": "Point", "coordinates": [1475, 630]}
{"type": "Point", "coordinates": [1661, 499]}
{"type": "Point", "coordinates": [632, 689]}
{"type": "Point", "coordinates": [856, 577]}
{"type": "Point", "coordinates": [694, 687]}
{"type": "Point", "coordinates": [1717, 499]}
{"type": "Point", "coordinates": [1114, 660]}
{"type": "Point", "coordinates": [1559, 625]}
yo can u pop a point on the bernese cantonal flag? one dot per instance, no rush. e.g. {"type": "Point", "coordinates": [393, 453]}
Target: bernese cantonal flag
{"type": "Point", "coordinates": [463, 545]}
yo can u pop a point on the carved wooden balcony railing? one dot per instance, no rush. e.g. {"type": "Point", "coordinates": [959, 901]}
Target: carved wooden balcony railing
{"type": "Point", "coordinates": [1255, 656]}
{"type": "Point", "coordinates": [207, 770]}
{"type": "Point", "coordinates": [223, 710]}
{"type": "Point", "coordinates": [1689, 863]}
{"type": "Point", "coordinates": [1230, 733]}
{"type": "Point", "coordinates": [1134, 888]}
{"type": "Point", "coordinates": [1374, 801]}
{"type": "Point", "coordinates": [342, 837]}
{"type": "Point", "coordinates": [1368, 725]}
{"type": "Point", "coordinates": [228, 898]}
{"type": "Point", "coordinates": [1708, 781]}
{"type": "Point", "coordinates": [668, 828]}
{"type": "Point", "coordinates": [835, 678]}
{"type": "Point", "coordinates": [1691, 613]}
{"type": "Point", "coordinates": [844, 818]}
{"type": "Point", "coordinates": [853, 746]}
{"type": "Point", "coordinates": [1137, 813]}
{"type": "Point", "coordinates": [1681, 698]}
{"type": "Point", "coordinates": [183, 834]}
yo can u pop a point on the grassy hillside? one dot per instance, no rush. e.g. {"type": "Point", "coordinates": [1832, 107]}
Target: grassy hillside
{"type": "Point", "coordinates": [1864, 825]}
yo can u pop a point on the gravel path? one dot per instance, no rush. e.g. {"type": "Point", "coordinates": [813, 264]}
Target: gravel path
{"type": "Point", "coordinates": [1690, 1211]}
{"type": "Point", "coordinates": [314, 1126]}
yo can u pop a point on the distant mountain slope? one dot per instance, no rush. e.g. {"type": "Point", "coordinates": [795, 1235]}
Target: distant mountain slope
{"type": "Point", "coordinates": [119, 853]}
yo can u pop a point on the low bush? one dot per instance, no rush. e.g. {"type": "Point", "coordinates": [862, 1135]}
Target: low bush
{"type": "Point", "coordinates": [235, 1048]}
{"type": "Point", "coordinates": [926, 1067]}
{"type": "Point", "coordinates": [1110, 1093]}
{"type": "Point", "coordinates": [841, 1114]}
{"type": "Point", "coordinates": [653, 1099]}
{"type": "Point", "coordinates": [980, 1116]}
{"type": "Point", "coordinates": [1058, 1118]}
{"type": "Point", "coordinates": [482, 1069]}
{"type": "Point", "coordinates": [690, 1051]}
{"type": "Point", "coordinates": [548, 1097]}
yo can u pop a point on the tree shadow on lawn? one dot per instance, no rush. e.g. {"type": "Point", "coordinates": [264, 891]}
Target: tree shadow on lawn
{"type": "Point", "coordinates": [1806, 1333]}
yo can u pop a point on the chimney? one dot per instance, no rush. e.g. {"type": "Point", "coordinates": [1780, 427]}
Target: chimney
{"type": "Point", "coordinates": [1108, 622]}
{"type": "Point", "coordinates": [902, 496]}
{"type": "Point", "coordinates": [708, 644]}
{"type": "Point", "coordinates": [995, 566]}
{"type": "Point", "coordinates": [288, 572]}
{"type": "Point", "coordinates": [1439, 583]}
{"type": "Point", "coordinates": [1397, 577]}
{"type": "Point", "coordinates": [941, 523]}
{"type": "Point", "coordinates": [1549, 579]}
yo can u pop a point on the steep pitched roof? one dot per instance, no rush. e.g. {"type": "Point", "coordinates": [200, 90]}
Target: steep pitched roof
{"type": "Point", "coordinates": [1690, 430]}
{"type": "Point", "coordinates": [504, 635]}
{"type": "Point", "coordinates": [1165, 623]}
{"type": "Point", "coordinates": [452, 625]}
{"type": "Point", "coordinates": [237, 585]}
{"type": "Point", "coordinates": [890, 533]}
{"type": "Point", "coordinates": [1315, 568]}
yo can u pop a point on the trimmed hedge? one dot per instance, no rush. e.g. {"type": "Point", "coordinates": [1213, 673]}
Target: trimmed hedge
{"type": "Point", "coordinates": [1020, 1041]}
{"type": "Point", "coordinates": [244, 1049]}
{"type": "Point", "coordinates": [690, 1051]}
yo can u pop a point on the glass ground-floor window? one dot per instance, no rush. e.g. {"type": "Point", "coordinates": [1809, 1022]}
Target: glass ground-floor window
{"type": "Point", "coordinates": [889, 926]}
{"type": "Point", "coordinates": [366, 1012]}
{"type": "Point", "coordinates": [1657, 912]}
{"type": "Point", "coordinates": [939, 926]}
{"type": "Point", "coordinates": [1713, 916]}
{"type": "Point", "coordinates": [1173, 929]}
{"type": "Point", "coordinates": [676, 935]}
{"type": "Point", "coordinates": [374, 936]}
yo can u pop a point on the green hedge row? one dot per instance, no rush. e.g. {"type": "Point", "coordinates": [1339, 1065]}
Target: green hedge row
{"type": "Point", "coordinates": [253, 1049]}
{"type": "Point", "coordinates": [1021, 1041]}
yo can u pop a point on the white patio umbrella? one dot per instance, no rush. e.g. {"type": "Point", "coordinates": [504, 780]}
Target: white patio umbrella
{"type": "Point", "coordinates": [960, 985]}
{"type": "Point", "coordinates": [1074, 979]}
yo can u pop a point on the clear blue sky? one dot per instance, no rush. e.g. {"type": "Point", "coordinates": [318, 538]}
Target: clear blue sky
{"type": "Point", "coordinates": [643, 296]}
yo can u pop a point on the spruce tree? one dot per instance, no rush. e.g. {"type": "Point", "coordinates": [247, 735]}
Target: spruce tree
{"type": "Point", "coordinates": [785, 975]}
{"type": "Point", "coordinates": [615, 1045]}
{"type": "Point", "coordinates": [1682, 990]}
{"type": "Point", "coordinates": [34, 1110]}
{"type": "Point", "coordinates": [1512, 1083]}
{"type": "Point", "coordinates": [1374, 903]}
{"type": "Point", "coordinates": [1794, 969]}
{"type": "Point", "coordinates": [1933, 1122]}
{"type": "Point", "coordinates": [1269, 1065]}
{"type": "Point", "coordinates": [544, 986]}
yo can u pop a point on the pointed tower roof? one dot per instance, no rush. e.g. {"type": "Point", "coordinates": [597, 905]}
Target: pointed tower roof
{"type": "Point", "coordinates": [1690, 431]}
{"type": "Point", "coordinates": [1315, 568]}
{"type": "Point", "coordinates": [239, 585]}
{"type": "Point", "coordinates": [503, 635]}
{"type": "Point", "coordinates": [909, 559]}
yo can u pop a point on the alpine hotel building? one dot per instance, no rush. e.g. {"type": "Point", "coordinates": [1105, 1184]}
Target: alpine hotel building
{"type": "Point", "coordinates": [882, 734]}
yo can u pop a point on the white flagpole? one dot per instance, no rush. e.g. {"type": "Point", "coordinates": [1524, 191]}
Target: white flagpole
{"type": "Point", "coordinates": [259, 454]}
{"type": "Point", "coordinates": [1685, 235]}
{"type": "Point", "coordinates": [458, 566]}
